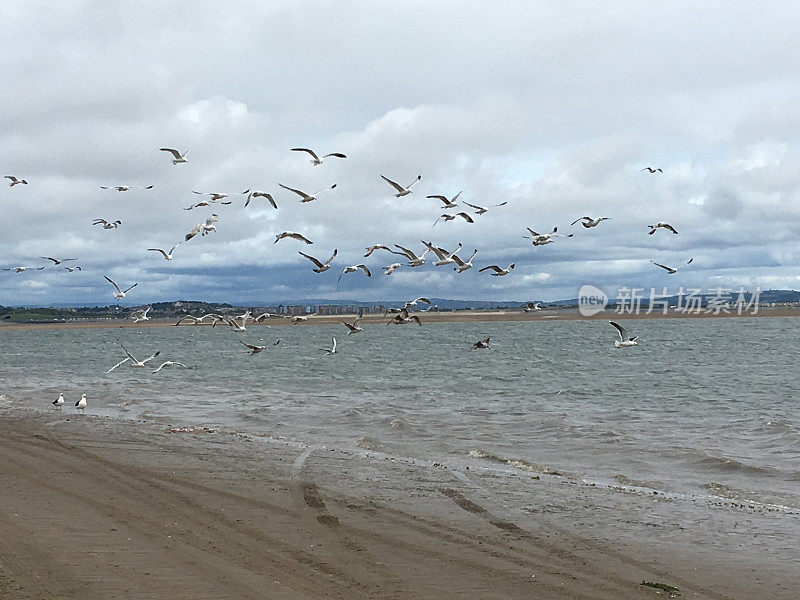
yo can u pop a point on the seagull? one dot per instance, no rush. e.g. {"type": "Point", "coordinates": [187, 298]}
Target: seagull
{"type": "Point", "coordinates": [412, 303]}
{"type": "Point", "coordinates": [214, 196]}
{"type": "Point", "coordinates": [204, 203]}
{"type": "Point", "coordinates": [413, 259]}
{"type": "Point", "coordinates": [59, 402]}
{"type": "Point", "coordinates": [71, 269]}
{"type": "Point", "coordinates": [401, 191]}
{"type": "Point", "coordinates": [316, 160]}
{"type": "Point", "coordinates": [353, 327]}
{"type": "Point", "coordinates": [332, 349]}
{"type": "Point", "coordinates": [107, 224]}
{"type": "Point", "coordinates": [389, 269]}
{"type": "Point", "coordinates": [445, 257]}
{"type": "Point", "coordinates": [306, 197]}
{"type": "Point", "coordinates": [652, 170]}
{"type": "Point", "coordinates": [57, 261]}
{"type": "Point", "coordinates": [264, 317]}
{"type": "Point", "coordinates": [166, 255]}
{"type": "Point", "coordinates": [293, 235]}
{"type": "Point", "coordinates": [353, 269]}
{"type": "Point", "coordinates": [663, 224]}
{"type": "Point", "coordinates": [589, 221]}
{"type": "Point", "coordinates": [135, 364]}
{"type": "Point", "coordinates": [198, 320]}
{"type": "Point", "coordinates": [447, 217]}
{"type": "Point", "coordinates": [236, 324]}
{"type": "Point", "coordinates": [203, 228]}
{"type": "Point", "coordinates": [81, 404]}
{"type": "Point", "coordinates": [670, 270]}
{"type": "Point", "coordinates": [258, 194]}
{"type": "Point", "coordinates": [464, 265]}
{"type": "Point", "coordinates": [119, 295]}
{"type": "Point", "coordinates": [480, 345]}
{"type": "Point", "coordinates": [15, 181]}
{"type": "Point", "coordinates": [179, 158]}
{"type": "Point", "coordinates": [140, 315]}
{"type": "Point", "coordinates": [297, 319]}
{"type": "Point", "coordinates": [372, 249]}
{"type": "Point", "coordinates": [403, 318]}
{"type": "Point", "coordinates": [321, 267]}
{"type": "Point", "coordinates": [172, 363]}
{"type": "Point", "coordinates": [531, 307]}
{"type": "Point", "coordinates": [624, 341]}
{"type": "Point", "coordinates": [124, 188]}
{"type": "Point", "coordinates": [21, 269]}
{"type": "Point", "coordinates": [447, 203]}
{"type": "Point", "coordinates": [479, 210]}
{"type": "Point", "coordinates": [498, 272]}
{"type": "Point", "coordinates": [540, 239]}
{"type": "Point", "coordinates": [254, 349]}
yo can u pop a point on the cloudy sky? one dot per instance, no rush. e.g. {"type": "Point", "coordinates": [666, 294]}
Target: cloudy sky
{"type": "Point", "coordinates": [552, 107]}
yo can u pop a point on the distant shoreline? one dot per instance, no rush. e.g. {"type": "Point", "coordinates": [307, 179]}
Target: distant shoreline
{"type": "Point", "coordinates": [458, 316]}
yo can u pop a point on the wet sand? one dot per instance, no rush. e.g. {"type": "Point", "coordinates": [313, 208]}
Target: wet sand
{"type": "Point", "coordinates": [96, 508]}
{"type": "Point", "coordinates": [458, 316]}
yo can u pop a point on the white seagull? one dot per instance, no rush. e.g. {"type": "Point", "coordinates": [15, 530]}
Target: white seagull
{"type": "Point", "coordinates": [140, 315]}
{"type": "Point", "coordinates": [332, 349]}
{"type": "Point", "coordinates": [203, 228]}
{"type": "Point", "coordinates": [353, 269]}
{"type": "Point", "coordinates": [258, 194]}
{"type": "Point", "coordinates": [624, 341]}
{"type": "Point", "coordinates": [445, 202]}
{"type": "Point", "coordinates": [71, 269]}
{"type": "Point", "coordinates": [172, 363]}
{"type": "Point", "coordinates": [447, 217]}
{"type": "Point", "coordinates": [81, 404]}
{"type": "Point", "coordinates": [213, 196]}
{"type": "Point", "coordinates": [479, 210]}
{"type": "Point", "coordinates": [532, 307]}
{"type": "Point", "coordinates": [401, 191]}
{"type": "Point", "coordinates": [413, 259]}
{"type": "Point", "coordinates": [178, 157]}
{"type": "Point", "coordinates": [353, 327]}
{"type": "Point", "coordinates": [59, 402]}
{"type": "Point", "coordinates": [321, 267]}
{"type": "Point", "coordinates": [203, 203]}
{"type": "Point", "coordinates": [254, 348]}
{"type": "Point", "coordinates": [307, 197]}
{"type": "Point", "coordinates": [589, 221]}
{"type": "Point", "coordinates": [413, 303]}
{"type": "Point", "coordinates": [57, 261]}
{"type": "Point", "coordinates": [166, 255]}
{"type": "Point", "coordinates": [671, 270]}
{"type": "Point", "coordinates": [445, 257]}
{"type": "Point", "coordinates": [540, 239]}
{"type": "Point", "coordinates": [135, 364]}
{"type": "Point", "coordinates": [119, 295]}
{"type": "Point", "coordinates": [660, 224]}
{"type": "Point", "coordinates": [107, 224]}
{"type": "Point", "coordinates": [316, 160]}
{"type": "Point", "coordinates": [124, 188]}
{"type": "Point", "coordinates": [389, 269]}
{"type": "Point", "coordinates": [15, 181]}
{"type": "Point", "coordinates": [297, 319]}
{"type": "Point", "coordinates": [291, 234]}
{"type": "Point", "coordinates": [403, 318]}
{"type": "Point", "coordinates": [462, 264]}
{"type": "Point", "coordinates": [498, 272]}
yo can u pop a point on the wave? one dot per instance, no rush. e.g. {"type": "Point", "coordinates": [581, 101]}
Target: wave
{"type": "Point", "coordinates": [518, 463]}
{"type": "Point", "coordinates": [731, 465]}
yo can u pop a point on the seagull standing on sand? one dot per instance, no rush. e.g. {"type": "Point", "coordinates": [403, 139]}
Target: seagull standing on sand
{"type": "Point", "coordinates": [316, 160]}
{"type": "Point", "coordinates": [671, 270]}
{"type": "Point", "coordinates": [624, 341]}
{"type": "Point", "coordinates": [258, 194]}
{"type": "Point", "coordinates": [307, 197]}
{"type": "Point", "coordinates": [15, 181]}
{"type": "Point", "coordinates": [178, 158]}
{"type": "Point", "coordinates": [321, 267]}
{"type": "Point", "coordinates": [660, 224]}
{"type": "Point", "coordinates": [59, 402]}
{"type": "Point", "coordinates": [589, 221]}
{"type": "Point", "coordinates": [119, 294]}
{"type": "Point", "coordinates": [353, 269]}
{"type": "Point", "coordinates": [332, 349]}
{"type": "Point", "coordinates": [498, 272]}
{"type": "Point", "coordinates": [401, 191]}
{"type": "Point", "coordinates": [81, 404]}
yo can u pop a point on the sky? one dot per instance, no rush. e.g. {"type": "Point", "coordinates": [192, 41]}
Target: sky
{"type": "Point", "coordinates": [553, 108]}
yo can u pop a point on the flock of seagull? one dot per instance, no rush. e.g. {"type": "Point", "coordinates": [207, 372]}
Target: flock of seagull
{"type": "Point", "coordinates": [410, 258]}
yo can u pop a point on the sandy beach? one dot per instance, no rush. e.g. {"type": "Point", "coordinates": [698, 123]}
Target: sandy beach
{"type": "Point", "coordinates": [100, 508]}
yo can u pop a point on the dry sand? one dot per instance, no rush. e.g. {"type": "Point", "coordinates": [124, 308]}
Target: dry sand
{"type": "Point", "coordinates": [96, 508]}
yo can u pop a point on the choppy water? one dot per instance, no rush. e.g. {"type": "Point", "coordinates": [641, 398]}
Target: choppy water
{"type": "Point", "coordinates": [702, 406]}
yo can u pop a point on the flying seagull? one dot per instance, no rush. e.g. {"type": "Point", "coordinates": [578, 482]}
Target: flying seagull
{"type": "Point", "coordinates": [412, 303]}
{"type": "Point", "coordinates": [71, 269]}
{"type": "Point", "coordinates": [292, 235]}
{"type": "Point", "coordinates": [57, 261]}
{"type": "Point", "coordinates": [316, 160]}
{"type": "Point", "coordinates": [589, 221]}
{"type": "Point", "coordinates": [352, 327]}
{"type": "Point", "coordinates": [401, 191]}
{"type": "Point", "coordinates": [172, 363]}
{"type": "Point", "coordinates": [135, 364]}
{"type": "Point", "coordinates": [203, 228]}
{"type": "Point", "coordinates": [670, 270]}
{"type": "Point", "coordinates": [413, 259]}
{"type": "Point", "coordinates": [321, 267]}
{"type": "Point", "coordinates": [540, 239]}
{"type": "Point", "coordinates": [480, 344]}
{"type": "Point", "coordinates": [663, 224]}
{"type": "Point", "coordinates": [107, 224]}
{"type": "Point", "coordinates": [140, 315]}
{"type": "Point", "coordinates": [479, 210]}
{"type": "Point", "coordinates": [445, 257]}
{"type": "Point", "coordinates": [332, 349]}
{"type": "Point", "coordinates": [447, 217]}
{"type": "Point", "coordinates": [178, 157]}
{"type": "Point", "coordinates": [124, 188]}
{"type": "Point", "coordinates": [166, 255]}
{"type": "Point", "coordinates": [214, 196]}
{"type": "Point", "coordinates": [372, 249]}
{"type": "Point", "coordinates": [463, 265]}
{"type": "Point", "coordinates": [445, 202]}
{"type": "Point", "coordinates": [254, 349]}
{"type": "Point", "coordinates": [22, 269]}
{"type": "Point", "coordinates": [389, 269]}
{"type": "Point", "coordinates": [403, 318]}
{"type": "Point", "coordinates": [119, 293]}
{"type": "Point", "coordinates": [498, 272]}
{"type": "Point", "coordinates": [652, 170]}
{"type": "Point", "coordinates": [307, 197]}
{"type": "Point", "coordinates": [353, 269]}
{"type": "Point", "coordinates": [15, 181]}
{"type": "Point", "coordinates": [258, 194]}
{"type": "Point", "coordinates": [203, 203]}
{"type": "Point", "coordinates": [532, 307]}
{"type": "Point", "coordinates": [624, 341]}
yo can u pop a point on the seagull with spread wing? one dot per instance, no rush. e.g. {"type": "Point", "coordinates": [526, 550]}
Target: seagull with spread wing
{"type": "Point", "coordinates": [316, 160]}
{"type": "Point", "coordinates": [498, 272]}
{"type": "Point", "coordinates": [589, 221]}
{"type": "Point", "coordinates": [166, 255]}
{"type": "Point", "coordinates": [307, 197]}
{"type": "Point", "coordinates": [401, 191]}
{"type": "Point", "coordinates": [479, 210]}
{"type": "Point", "coordinates": [353, 269]}
{"type": "Point", "coordinates": [57, 261]}
{"type": "Point", "coordinates": [178, 158]}
{"type": "Point", "coordinates": [119, 294]}
{"type": "Point", "coordinates": [258, 194]}
{"type": "Point", "coordinates": [292, 235]}
{"type": "Point", "coordinates": [445, 202]}
{"type": "Point", "coordinates": [14, 180]}
{"type": "Point", "coordinates": [624, 341]}
{"type": "Point", "coordinates": [321, 267]}
{"type": "Point", "coordinates": [672, 270]}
